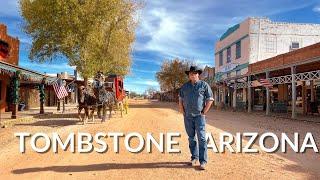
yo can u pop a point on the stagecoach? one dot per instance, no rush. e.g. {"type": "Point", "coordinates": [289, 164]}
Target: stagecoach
{"type": "Point", "coordinates": [103, 93]}
{"type": "Point", "coordinates": [114, 83]}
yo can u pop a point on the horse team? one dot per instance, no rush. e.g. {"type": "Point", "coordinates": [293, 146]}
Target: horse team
{"type": "Point", "coordinates": [96, 96]}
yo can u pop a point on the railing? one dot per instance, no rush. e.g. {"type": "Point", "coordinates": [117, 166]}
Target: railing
{"type": "Point", "coordinates": [305, 76]}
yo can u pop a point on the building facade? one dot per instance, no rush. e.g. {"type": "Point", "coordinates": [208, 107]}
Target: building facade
{"type": "Point", "coordinates": [251, 41]}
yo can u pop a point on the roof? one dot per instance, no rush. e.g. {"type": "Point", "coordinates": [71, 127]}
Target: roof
{"type": "Point", "coordinates": [229, 31]}
{"type": "Point", "coordinates": [27, 74]}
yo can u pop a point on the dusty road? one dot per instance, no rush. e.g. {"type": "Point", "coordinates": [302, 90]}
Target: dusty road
{"type": "Point", "coordinates": [157, 118]}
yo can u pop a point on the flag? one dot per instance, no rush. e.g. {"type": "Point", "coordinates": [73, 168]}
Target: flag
{"type": "Point", "coordinates": [60, 90]}
{"type": "Point", "coordinates": [266, 83]}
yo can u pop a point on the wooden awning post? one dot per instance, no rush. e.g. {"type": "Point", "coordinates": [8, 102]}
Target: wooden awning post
{"type": "Point", "coordinates": [63, 105]}
{"type": "Point", "coordinates": [268, 97]}
{"type": "Point", "coordinates": [58, 107]}
{"type": "Point", "coordinates": [304, 98]}
{"type": "Point", "coordinates": [216, 100]}
{"type": "Point", "coordinates": [293, 92]}
{"type": "Point", "coordinates": [249, 95]}
{"type": "Point", "coordinates": [312, 91]}
{"type": "Point", "coordinates": [234, 103]}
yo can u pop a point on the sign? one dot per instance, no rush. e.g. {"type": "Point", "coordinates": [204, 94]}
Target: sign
{"type": "Point", "coordinates": [229, 67]}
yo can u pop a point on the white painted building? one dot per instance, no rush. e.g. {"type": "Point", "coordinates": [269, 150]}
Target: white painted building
{"type": "Point", "coordinates": [253, 40]}
{"type": "Point", "coordinates": [256, 39]}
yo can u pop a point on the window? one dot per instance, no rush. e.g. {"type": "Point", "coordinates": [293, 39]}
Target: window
{"type": "Point", "coordinates": [228, 75]}
{"type": "Point", "coordinates": [238, 50]}
{"type": "Point", "coordinates": [229, 54]}
{"type": "Point", "coordinates": [270, 45]}
{"type": "Point", "coordinates": [294, 46]}
{"type": "Point", "coordinates": [221, 58]}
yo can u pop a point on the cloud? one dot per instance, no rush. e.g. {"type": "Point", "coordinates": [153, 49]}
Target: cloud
{"type": "Point", "coordinates": [317, 9]}
{"type": "Point", "coordinates": [144, 71]}
{"type": "Point", "coordinates": [188, 30]}
{"type": "Point", "coordinates": [168, 29]}
{"type": "Point", "coordinates": [144, 60]}
{"type": "Point", "coordinates": [9, 8]}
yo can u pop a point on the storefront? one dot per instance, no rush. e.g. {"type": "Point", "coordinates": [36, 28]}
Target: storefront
{"type": "Point", "coordinates": [294, 78]}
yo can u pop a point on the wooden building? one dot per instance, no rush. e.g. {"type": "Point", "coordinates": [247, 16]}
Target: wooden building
{"type": "Point", "coordinates": [294, 79]}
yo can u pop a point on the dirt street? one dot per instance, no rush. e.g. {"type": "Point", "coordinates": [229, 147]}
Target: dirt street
{"type": "Point", "coordinates": [145, 116]}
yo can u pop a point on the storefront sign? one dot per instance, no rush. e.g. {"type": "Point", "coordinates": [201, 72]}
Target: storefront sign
{"type": "Point", "coordinates": [229, 67]}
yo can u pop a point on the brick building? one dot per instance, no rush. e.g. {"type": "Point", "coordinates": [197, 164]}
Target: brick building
{"type": "Point", "coordinates": [295, 79]}
{"type": "Point", "coordinates": [9, 66]}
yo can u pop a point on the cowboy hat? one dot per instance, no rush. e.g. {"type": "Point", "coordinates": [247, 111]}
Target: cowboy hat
{"type": "Point", "coordinates": [194, 69]}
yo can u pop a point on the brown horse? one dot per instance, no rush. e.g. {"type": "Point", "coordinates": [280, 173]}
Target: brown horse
{"type": "Point", "coordinates": [87, 101]}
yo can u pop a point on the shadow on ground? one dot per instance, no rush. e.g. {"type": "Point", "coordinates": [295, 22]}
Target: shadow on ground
{"type": "Point", "coordinates": [103, 167]}
{"type": "Point", "coordinates": [51, 123]}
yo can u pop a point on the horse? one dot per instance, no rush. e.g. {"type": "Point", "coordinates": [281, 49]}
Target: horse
{"type": "Point", "coordinates": [104, 98]}
{"type": "Point", "coordinates": [87, 101]}
{"type": "Point", "coordinates": [96, 96]}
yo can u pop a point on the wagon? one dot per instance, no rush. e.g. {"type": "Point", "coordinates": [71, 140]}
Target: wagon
{"type": "Point", "coordinates": [114, 83]}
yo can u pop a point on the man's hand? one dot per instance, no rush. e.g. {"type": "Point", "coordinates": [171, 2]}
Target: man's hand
{"type": "Point", "coordinates": [181, 109]}
{"type": "Point", "coordinates": [207, 107]}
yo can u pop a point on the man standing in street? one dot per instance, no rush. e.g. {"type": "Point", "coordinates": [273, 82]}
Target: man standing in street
{"type": "Point", "coordinates": [195, 100]}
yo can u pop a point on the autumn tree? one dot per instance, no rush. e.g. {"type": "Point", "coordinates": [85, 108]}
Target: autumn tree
{"type": "Point", "coordinates": [172, 74]}
{"type": "Point", "coordinates": [93, 35]}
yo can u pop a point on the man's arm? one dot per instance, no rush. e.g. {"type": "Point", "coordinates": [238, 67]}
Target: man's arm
{"type": "Point", "coordinates": [209, 99]}
{"type": "Point", "coordinates": [181, 108]}
{"type": "Point", "coordinates": [207, 107]}
{"type": "Point", "coordinates": [181, 95]}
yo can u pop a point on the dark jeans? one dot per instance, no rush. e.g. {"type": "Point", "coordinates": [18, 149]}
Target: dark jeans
{"type": "Point", "coordinates": [196, 125]}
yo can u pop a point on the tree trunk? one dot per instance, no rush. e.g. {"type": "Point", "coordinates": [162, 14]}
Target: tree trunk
{"type": "Point", "coordinates": [85, 81]}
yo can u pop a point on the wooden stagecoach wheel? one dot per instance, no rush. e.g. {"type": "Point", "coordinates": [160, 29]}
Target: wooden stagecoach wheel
{"type": "Point", "coordinates": [121, 108]}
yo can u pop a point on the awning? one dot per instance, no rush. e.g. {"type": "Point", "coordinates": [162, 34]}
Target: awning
{"type": "Point", "coordinates": [26, 74]}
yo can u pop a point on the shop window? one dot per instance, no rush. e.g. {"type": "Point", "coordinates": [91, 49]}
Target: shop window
{"type": "Point", "coordinates": [238, 50]}
{"type": "Point", "coordinates": [294, 46]}
{"type": "Point", "coordinates": [221, 58]}
{"type": "Point", "coordinates": [228, 54]}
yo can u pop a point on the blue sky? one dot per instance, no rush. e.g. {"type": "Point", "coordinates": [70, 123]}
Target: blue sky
{"type": "Point", "coordinates": [187, 29]}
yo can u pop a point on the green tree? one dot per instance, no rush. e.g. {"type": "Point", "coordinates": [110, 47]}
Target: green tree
{"type": "Point", "coordinates": [93, 35]}
{"type": "Point", "coordinates": [172, 74]}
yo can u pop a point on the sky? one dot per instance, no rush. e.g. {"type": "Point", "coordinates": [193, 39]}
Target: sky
{"type": "Point", "coordinates": [168, 29]}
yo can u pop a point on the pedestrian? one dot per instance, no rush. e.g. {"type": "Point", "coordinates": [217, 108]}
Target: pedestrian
{"type": "Point", "coordinates": [195, 100]}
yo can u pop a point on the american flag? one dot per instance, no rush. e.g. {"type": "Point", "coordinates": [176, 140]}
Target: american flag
{"type": "Point", "coordinates": [266, 83]}
{"type": "Point", "coordinates": [59, 89]}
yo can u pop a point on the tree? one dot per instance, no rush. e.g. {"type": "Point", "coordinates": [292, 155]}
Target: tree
{"type": "Point", "coordinates": [150, 91]}
{"type": "Point", "coordinates": [172, 74]}
{"type": "Point", "coordinates": [93, 35]}
{"type": "Point", "coordinates": [134, 94]}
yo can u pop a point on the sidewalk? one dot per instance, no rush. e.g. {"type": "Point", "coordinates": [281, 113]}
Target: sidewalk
{"type": "Point", "coordinates": [300, 117]}
{"type": "Point", "coordinates": [32, 114]}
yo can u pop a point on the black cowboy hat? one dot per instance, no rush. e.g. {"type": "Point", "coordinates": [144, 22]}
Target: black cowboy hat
{"type": "Point", "coordinates": [194, 69]}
